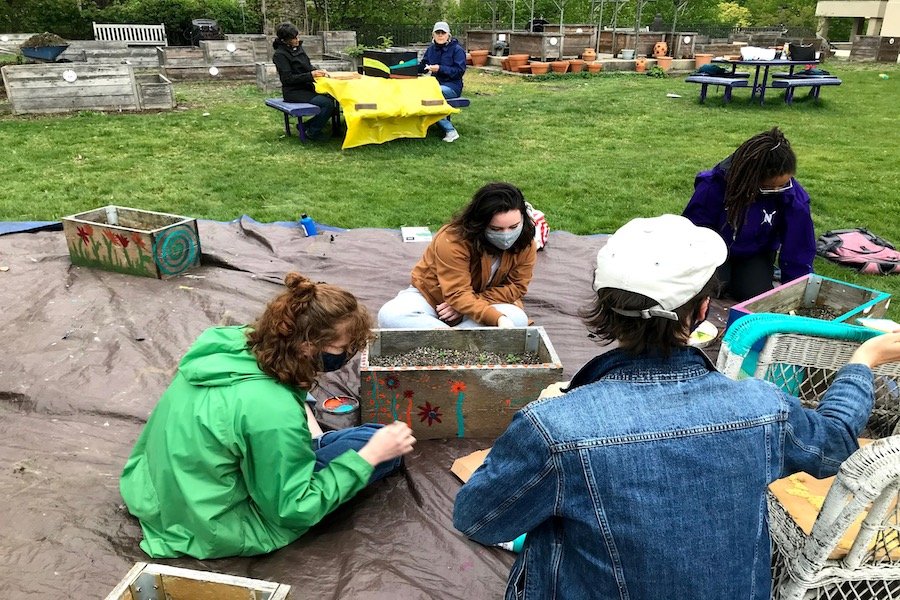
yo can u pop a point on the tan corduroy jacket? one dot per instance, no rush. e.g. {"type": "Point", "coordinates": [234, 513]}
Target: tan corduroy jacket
{"type": "Point", "coordinates": [447, 272]}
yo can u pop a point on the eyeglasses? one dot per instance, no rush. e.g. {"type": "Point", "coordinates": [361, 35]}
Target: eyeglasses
{"type": "Point", "coordinates": [778, 190]}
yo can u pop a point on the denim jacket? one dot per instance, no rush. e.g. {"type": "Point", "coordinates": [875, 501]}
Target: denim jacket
{"type": "Point", "coordinates": [647, 480]}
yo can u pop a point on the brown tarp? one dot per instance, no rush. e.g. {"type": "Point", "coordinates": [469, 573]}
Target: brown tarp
{"type": "Point", "coordinates": [86, 354]}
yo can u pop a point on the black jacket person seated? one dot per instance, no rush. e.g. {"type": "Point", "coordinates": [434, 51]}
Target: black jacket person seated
{"type": "Point", "coordinates": [298, 77]}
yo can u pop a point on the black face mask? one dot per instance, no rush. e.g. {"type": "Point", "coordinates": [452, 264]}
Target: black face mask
{"type": "Point", "coordinates": [333, 362]}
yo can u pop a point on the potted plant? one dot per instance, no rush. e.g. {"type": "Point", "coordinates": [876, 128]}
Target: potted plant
{"type": "Point", "coordinates": [576, 65]}
{"type": "Point", "coordinates": [640, 64]}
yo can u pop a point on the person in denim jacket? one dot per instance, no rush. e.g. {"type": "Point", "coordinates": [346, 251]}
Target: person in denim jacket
{"type": "Point", "coordinates": [647, 478]}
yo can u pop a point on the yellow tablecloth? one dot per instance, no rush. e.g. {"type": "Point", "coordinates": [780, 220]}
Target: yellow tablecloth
{"type": "Point", "coordinates": [379, 110]}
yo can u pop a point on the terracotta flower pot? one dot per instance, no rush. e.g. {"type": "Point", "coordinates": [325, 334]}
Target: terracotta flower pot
{"type": "Point", "coordinates": [702, 59]}
{"type": "Point", "coordinates": [559, 66]}
{"type": "Point", "coordinates": [589, 55]}
{"type": "Point", "coordinates": [526, 68]}
{"type": "Point", "coordinates": [468, 58]}
{"type": "Point", "coordinates": [539, 68]}
{"type": "Point", "coordinates": [594, 67]}
{"type": "Point", "coordinates": [664, 62]}
{"type": "Point", "coordinates": [640, 64]}
{"type": "Point", "coordinates": [479, 57]}
{"type": "Point", "coordinates": [505, 64]}
{"type": "Point", "coordinates": [576, 65]}
{"type": "Point", "coordinates": [517, 60]}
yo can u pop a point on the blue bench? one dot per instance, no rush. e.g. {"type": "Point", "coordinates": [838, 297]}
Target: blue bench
{"type": "Point", "coordinates": [300, 110]}
{"type": "Point", "coordinates": [727, 81]}
{"type": "Point", "coordinates": [815, 83]}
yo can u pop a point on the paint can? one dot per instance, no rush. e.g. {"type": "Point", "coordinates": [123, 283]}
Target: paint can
{"type": "Point", "coordinates": [337, 412]}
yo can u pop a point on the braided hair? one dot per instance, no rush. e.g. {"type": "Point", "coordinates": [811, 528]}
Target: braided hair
{"type": "Point", "coordinates": [762, 157]}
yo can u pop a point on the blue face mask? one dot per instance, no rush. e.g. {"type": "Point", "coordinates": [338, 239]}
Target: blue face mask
{"type": "Point", "coordinates": [503, 239]}
{"type": "Point", "coordinates": [332, 362]}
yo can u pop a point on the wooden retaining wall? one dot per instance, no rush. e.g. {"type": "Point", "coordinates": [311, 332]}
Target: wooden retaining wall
{"type": "Point", "coordinates": [44, 88]}
{"type": "Point", "coordinates": [111, 53]}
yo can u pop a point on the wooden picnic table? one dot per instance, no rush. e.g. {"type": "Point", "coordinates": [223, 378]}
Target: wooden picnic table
{"type": "Point", "coordinates": [764, 65]}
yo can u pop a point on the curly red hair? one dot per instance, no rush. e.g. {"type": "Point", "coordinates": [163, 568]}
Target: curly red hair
{"type": "Point", "coordinates": [306, 314]}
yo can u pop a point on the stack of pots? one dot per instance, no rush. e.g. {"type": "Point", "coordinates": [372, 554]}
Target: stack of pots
{"type": "Point", "coordinates": [517, 60]}
{"type": "Point", "coordinates": [479, 57]}
{"type": "Point", "coordinates": [589, 55]}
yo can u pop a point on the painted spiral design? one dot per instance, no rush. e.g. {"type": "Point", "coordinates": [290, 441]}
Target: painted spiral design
{"type": "Point", "coordinates": [176, 250]}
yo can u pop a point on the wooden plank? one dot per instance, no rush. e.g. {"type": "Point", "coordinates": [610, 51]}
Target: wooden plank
{"type": "Point", "coordinates": [841, 297]}
{"type": "Point", "coordinates": [782, 301]}
{"type": "Point", "coordinates": [90, 103]}
{"type": "Point", "coordinates": [62, 93]}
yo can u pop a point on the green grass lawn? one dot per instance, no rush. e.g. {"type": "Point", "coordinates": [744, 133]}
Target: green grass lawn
{"type": "Point", "coordinates": [590, 152]}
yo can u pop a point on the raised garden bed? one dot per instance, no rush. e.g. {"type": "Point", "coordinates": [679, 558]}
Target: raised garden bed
{"type": "Point", "coordinates": [819, 297]}
{"type": "Point", "coordinates": [444, 400]}
{"type": "Point", "coordinates": [53, 88]}
{"type": "Point", "coordinates": [136, 242]}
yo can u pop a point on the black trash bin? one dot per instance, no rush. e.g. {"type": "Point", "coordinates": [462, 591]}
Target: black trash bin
{"type": "Point", "coordinates": [205, 29]}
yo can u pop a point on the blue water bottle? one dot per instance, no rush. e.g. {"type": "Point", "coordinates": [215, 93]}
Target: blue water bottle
{"type": "Point", "coordinates": [308, 225]}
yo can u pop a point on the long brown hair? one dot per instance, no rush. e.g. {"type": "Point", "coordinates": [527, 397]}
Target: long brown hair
{"type": "Point", "coordinates": [305, 314]}
{"type": "Point", "coordinates": [762, 157]}
{"type": "Point", "coordinates": [491, 199]}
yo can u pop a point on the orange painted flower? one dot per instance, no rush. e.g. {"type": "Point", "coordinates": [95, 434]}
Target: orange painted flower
{"type": "Point", "coordinates": [85, 234]}
{"type": "Point", "coordinates": [110, 235]}
{"type": "Point", "coordinates": [138, 241]}
{"type": "Point", "coordinates": [121, 240]}
{"type": "Point", "coordinates": [457, 386]}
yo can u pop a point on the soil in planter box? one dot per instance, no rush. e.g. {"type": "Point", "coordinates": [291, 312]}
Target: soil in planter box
{"type": "Point", "coordinates": [428, 356]}
{"type": "Point", "coordinates": [825, 313]}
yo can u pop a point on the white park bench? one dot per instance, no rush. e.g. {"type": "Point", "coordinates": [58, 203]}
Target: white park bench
{"type": "Point", "coordinates": [131, 34]}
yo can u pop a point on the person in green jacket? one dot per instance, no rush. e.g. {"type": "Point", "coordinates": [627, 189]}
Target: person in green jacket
{"type": "Point", "coordinates": [231, 461]}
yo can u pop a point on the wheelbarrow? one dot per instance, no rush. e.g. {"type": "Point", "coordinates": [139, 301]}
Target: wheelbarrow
{"type": "Point", "coordinates": [43, 53]}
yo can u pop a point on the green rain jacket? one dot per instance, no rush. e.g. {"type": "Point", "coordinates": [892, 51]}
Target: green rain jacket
{"type": "Point", "coordinates": [224, 466]}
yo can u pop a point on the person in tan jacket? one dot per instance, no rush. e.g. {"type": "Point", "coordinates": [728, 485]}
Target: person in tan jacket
{"type": "Point", "coordinates": [476, 270]}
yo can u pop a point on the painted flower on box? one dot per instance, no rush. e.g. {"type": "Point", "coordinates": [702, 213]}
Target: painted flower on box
{"type": "Point", "coordinates": [392, 382]}
{"type": "Point", "coordinates": [85, 234]}
{"type": "Point", "coordinates": [430, 413]}
{"type": "Point", "coordinates": [138, 241]}
{"type": "Point", "coordinates": [457, 386]}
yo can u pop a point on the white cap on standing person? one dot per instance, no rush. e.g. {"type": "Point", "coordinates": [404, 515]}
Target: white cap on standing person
{"type": "Point", "coordinates": [666, 258]}
{"type": "Point", "coordinates": [441, 26]}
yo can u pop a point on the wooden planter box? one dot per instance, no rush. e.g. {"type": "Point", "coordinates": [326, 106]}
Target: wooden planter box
{"type": "Point", "coordinates": [444, 401]}
{"type": "Point", "coordinates": [161, 582]}
{"type": "Point", "coordinates": [814, 291]}
{"type": "Point", "coordinates": [137, 242]}
{"type": "Point", "coordinates": [61, 87]}
{"type": "Point", "coordinates": [155, 92]}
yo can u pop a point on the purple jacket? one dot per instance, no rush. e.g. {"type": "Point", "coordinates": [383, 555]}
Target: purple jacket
{"type": "Point", "coordinates": [775, 222]}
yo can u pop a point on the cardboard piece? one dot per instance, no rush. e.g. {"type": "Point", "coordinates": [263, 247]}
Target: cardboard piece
{"type": "Point", "coordinates": [465, 466]}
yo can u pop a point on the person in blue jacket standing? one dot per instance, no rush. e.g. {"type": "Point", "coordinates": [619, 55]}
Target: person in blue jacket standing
{"type": "Point", "coordinates": [752, 200]}
{"type": "Point", "coordinates": [445, 59]}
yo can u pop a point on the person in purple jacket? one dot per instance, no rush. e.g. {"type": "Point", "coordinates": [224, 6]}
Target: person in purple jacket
{"type": "Point", "coordinates": [445, 59]}
{"type": "Point", "coordinates": [752, 200]}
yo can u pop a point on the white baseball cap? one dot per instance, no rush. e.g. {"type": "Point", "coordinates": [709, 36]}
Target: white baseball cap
{"type": "Point", "coordinates": [666, 258]}
{"type": "Point", "coordinates": [441, 26]}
